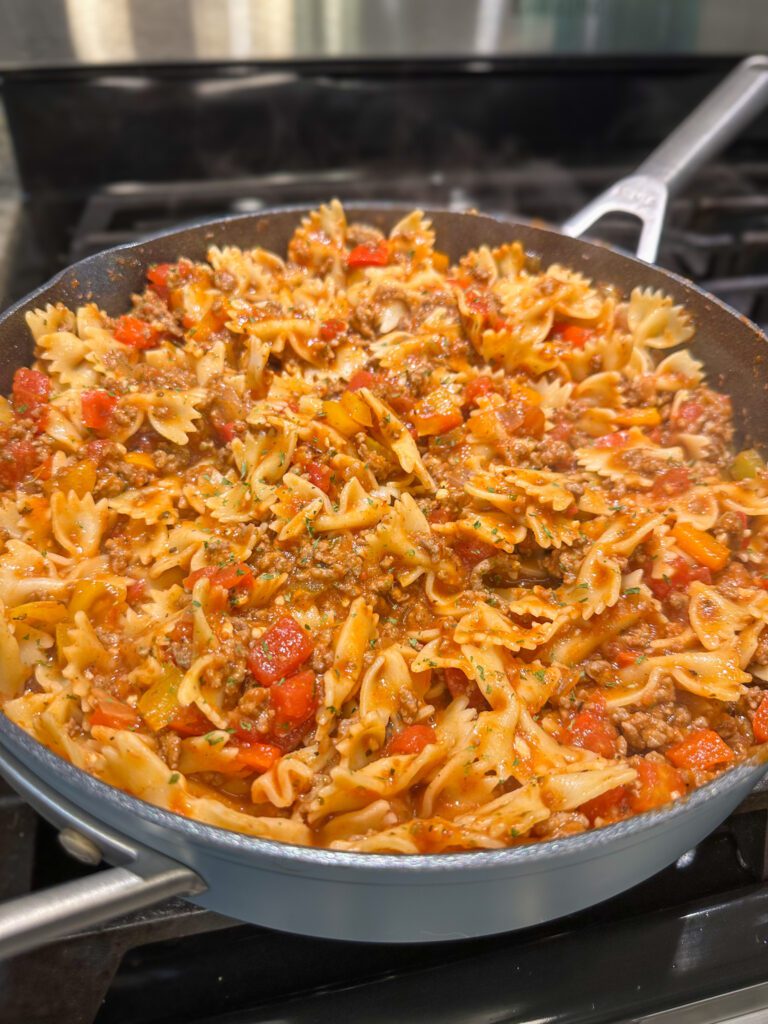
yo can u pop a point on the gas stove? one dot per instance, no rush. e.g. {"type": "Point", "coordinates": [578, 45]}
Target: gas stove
{"type": "Point", "coordinates": [107, 155]}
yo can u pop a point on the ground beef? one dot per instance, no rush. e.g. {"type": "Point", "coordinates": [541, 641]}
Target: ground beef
{"type": "Point", "coordinates": [171, 378]}
{"type": "Point", "coordinates": [761, 652]}
{"type": "Point", "coordinates": [641, 391]}
{"type": "Point", "coordinates": [119, 551]}
{"type": "Point", "coordinates": [736, 730]}
{"type": "Point", "coordinates": [729, 530]}
{"type": "Point", "coordinates": [150, 307]}
{"type": "Point", "coordinates": [169, 744]}
{"type": "Point", "coordinates": [637, 638]}
{"type": "Point", "coordinates": [363, 234]}
{"type": "Point", "coordinates": [565, 562]}
{"type": "Point", "coordinates": [599, 669]}
{"type": "Point", "coordinates": [732, 579]}
{"type": "Point", "coordinates": [658, 725]}
{"type": "Point", "coordinates": [559, 824]}
{"type": "Point", "coordinates": [225, 281]}
{"type": "Point", "coordinates": [556, 455]}
{"type": "Point", "coordinates": [254, 706]}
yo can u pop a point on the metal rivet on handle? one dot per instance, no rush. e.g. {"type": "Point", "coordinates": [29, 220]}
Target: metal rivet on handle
{"type": "Point", "coordinates": [80, 847]}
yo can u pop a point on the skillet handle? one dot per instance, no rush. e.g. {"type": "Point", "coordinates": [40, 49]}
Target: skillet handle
{"type": "Point", "coordinates": [34, 920]}
{"type": "Point", "coordinates": [142, 875]}
{"type": "Point", "coordinates": [717, 120]}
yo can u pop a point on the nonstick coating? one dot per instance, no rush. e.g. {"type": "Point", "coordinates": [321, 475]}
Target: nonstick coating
{"type": "Point", "coordinates": [363, 896]}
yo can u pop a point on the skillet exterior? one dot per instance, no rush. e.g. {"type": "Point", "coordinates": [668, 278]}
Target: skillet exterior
{"type": "Point", "coordinates": [372, 897]}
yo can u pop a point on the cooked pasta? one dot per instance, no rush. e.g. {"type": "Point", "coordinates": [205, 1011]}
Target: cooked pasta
{"type": "Point", "coordinates": [359, 549]}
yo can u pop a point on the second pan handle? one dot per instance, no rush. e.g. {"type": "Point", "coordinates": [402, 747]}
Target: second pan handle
{"type": "Point", "coordinates": [717, 120]}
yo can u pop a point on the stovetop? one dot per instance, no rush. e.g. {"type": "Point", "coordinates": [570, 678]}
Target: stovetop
{"type": "Point", "coordinates": [107, 158]}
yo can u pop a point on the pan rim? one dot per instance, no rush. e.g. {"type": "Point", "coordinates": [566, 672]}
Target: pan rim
{"type": "Point", "coordinates": [225, 841]}
{"type": "Point", "coordinates": [222, 841]}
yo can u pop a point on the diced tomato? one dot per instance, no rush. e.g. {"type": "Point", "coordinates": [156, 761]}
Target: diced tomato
{"type": "Point", "coordinates": [412, 739]}
{"type": "Point", "coordinates": [681, 577]}
{"type": "Point", "coordinates": [158, 279]}
{"type": "Point", "coordinates": [671, 483]}
{"type": "Point", "coordinates": [624, 658]}
{"type": "Point", "coordinates": [437, 413]}
{"type": "Point", "coordinates": [572, 334]}
{"type": "Point", "coordinates": [616, 440]}
{"type": "Point", "coordinates": [293, 699]}
{"type": "Point", "coordinates": [610, 806]}
{"type": "Point", "coordinates": [97, 408]}
{"type": "Point", "coordinates": [114, 714]}
{"type": "Point", "coordinates": [135, 591]}
{"type": "Point", "coordinates": [330, 329]}
{"type": "Point", "coordinates": [230, 577]}
{"type": "Point", "coordinates": [760, 722]}
{"type": "Point", "coordinates": [591, 730]}
{"type": "Point", "coordinates": [470, 551]}
{"type": "Point", "coordinates": [226, 431]}
{"type": "Point", "coordinates": [656, 784]}
{"type": "Point", "coordinates": [258, 757]}
{"type": "Point", "coordinates": [190, 721]}
{"type": "Point", "coordinates": [31, 389]}
{"type": "Point", "coordinates": [362, 379]}
{"type": "Point", "coordinates": [281, 650]}
{"type": "Point", "coordinates": [17, 459]}
{"type": "Point", "coordinates": [129, 330]}
{"type": "Point", "coordinates": [319, 475]}
{"type": "Point", "coordinates": [689, 413]}
{"type": "Point", "coordinates": [700, 751]}
{"type": "Point", "coordinates": [371, 254]}
{"type": "Point", "coordinates": [478, 387]}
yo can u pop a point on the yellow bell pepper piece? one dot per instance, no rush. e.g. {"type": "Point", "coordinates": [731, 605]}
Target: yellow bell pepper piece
{"type": "Point", "coordinates": [336, 416]}
{"type": "Point", "coordinates": [39, 611]}
{"type": "Point", "coordinates": [160, 702]}
{"type": "Point", "coordinates": [80, 478]}
{"type": "Point", "coordinates": [85, 594]}
{"type": "Point", "coordinates": [6, 412]}
{"type": "Point", "coordinates": [638, 418]}
{"type": "Point", "coordinates": [357, 408]}
{"type": "Point", "coordinates": [747, 465]}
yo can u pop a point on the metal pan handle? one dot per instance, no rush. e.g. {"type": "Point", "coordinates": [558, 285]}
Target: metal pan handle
{"type": "Point", "coordinates": [141, 876]}
{"type": "Point", "coordinates": [31, 921]}
{"type": "Point", "coordinates": [721, 116]}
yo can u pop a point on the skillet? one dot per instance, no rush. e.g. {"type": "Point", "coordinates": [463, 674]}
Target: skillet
{"type": "Point", "coordinates": [375, 897]}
